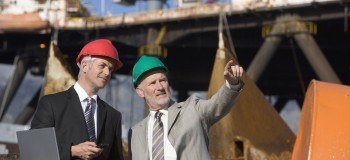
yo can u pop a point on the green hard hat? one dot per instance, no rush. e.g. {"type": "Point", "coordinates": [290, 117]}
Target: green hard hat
{"type": "Point", "coordinates": [145, 64]}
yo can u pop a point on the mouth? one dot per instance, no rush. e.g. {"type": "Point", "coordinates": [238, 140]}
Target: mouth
{"type": "Point", "coordinates": [161, 94]}
{"type": "Point", "coordinates": [104, 79]}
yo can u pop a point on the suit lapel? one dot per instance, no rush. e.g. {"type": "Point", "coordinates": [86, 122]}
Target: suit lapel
{"type": "Point", "coordinates": [101, 116]}
{"type": "Point", "coordinates": [77, 111]}
{"type": "Point", "coordinates": [173, 113]}
{"type": "Point", "coordinates": [142, 128]}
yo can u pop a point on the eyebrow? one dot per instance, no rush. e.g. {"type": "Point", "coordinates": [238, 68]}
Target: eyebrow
{"type": "Point", "coordinates": [107, 64]}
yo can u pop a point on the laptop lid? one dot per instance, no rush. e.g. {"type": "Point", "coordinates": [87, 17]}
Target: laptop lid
{"type": "Point", "coordinates": [38, 144]}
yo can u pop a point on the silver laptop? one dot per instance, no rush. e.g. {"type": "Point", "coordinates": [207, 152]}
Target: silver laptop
{"type": "Point", "coordinates": [38, 144]}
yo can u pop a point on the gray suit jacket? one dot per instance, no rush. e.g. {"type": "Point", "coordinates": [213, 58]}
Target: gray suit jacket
{"type": "Point", "coordinates": [189, 124]}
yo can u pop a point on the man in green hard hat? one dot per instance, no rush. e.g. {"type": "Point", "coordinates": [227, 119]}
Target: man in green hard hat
{"type": "Point", "coordinates": [177, 130]}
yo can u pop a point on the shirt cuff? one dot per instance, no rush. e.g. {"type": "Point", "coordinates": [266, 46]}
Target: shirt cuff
{"type": "Point", "coordinates": [237, 87]}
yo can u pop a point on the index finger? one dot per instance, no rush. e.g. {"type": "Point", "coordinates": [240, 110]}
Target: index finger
{"type": "Point", "coordinates": [229, 64]}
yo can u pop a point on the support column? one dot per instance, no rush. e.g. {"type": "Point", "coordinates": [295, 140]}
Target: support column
{"type": "Point", "coordinates": [152, 35]}
{"type": "Point", "coordinates": [265, 53]}
{"type": "Point", "coordinates": [13, 83]}
{"type": "Point", "coordinates": [29, 110]}
{"type": "Point", "coordinates": [316, 58]}
{"type": "Point", "coordinates": [263, 57]}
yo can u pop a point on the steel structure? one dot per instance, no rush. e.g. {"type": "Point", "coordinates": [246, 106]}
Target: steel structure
{"type": "Point", "coordinates": [191, 42]}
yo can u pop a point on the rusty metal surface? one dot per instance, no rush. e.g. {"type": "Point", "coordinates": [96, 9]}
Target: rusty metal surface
{"type": "Point", "coordinates": [66, 20]}
{"type": "Point", "coordinates": [178, 14]}
{"type": "Point", "coordinates": [29, 22]}
{"type": "Point", "coordinates": [146, 17]}
{"type": "Point", "coordinates": [58, 75]}
{"type": "Point", "coordinates": [253, 130]}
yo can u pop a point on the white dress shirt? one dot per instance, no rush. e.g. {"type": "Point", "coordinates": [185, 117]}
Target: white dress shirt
{"type": "Point", "coordinates": [83, 100]}
{"type": "Point", "coordinates": [169, 150]}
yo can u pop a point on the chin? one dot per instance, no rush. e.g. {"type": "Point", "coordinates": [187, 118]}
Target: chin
{"type": "Point", "coordinates": [101, 86]}
{"type": "Point", "coordinates": [163, 102]}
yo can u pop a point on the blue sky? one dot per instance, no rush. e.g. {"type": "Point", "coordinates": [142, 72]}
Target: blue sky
{"type": "Point", "coordinates": [112, 8]}
{"type": "Point", "coordinates": [96, 7]}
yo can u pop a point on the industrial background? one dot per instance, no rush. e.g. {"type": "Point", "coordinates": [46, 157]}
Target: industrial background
{"type": "Point", "coordinates": [282, 45]}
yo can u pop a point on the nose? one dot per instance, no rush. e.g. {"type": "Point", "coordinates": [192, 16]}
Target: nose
{"type": "Point", "coordinates": [159, 86]}
{"type": "Point", "coordinates": [107, 71]}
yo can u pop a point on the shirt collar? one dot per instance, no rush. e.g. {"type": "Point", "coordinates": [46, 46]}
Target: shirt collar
{"type": "Point", "coordinates": [164, 111]}
{"type": "Point", "coordinates": [82, 94]}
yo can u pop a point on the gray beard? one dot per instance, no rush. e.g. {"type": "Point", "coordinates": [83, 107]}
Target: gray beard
{"type": "Point", "coordinates": [160, 105]}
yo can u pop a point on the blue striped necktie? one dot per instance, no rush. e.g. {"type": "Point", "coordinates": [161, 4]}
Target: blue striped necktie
{"type": "Point", "coordinates": [89, 118]}
{"type": "Point", "coordinates": [158, 138]}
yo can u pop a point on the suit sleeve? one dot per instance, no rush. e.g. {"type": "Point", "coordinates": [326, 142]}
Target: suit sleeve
{"type": "Point", "coordinates": [43, 116]}
{"type": "Point", "coordinates": [118, 145]}
{"type": "Point", "coordinates": [218, 105]}
{"type": "Point", "coordinates": [129, 144]}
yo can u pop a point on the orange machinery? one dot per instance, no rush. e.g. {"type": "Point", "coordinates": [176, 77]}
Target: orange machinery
{"type": "Point", "coordinates": [324, 123]}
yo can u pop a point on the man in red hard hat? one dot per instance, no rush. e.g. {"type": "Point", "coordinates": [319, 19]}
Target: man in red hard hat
{"type": "Point", "coordinates": [86, 126]}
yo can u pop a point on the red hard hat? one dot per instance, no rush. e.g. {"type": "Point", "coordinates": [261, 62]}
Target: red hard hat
{"type": "Point", "coordinates": [100, 47]}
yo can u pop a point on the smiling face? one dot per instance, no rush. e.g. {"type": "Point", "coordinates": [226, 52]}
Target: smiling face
{"type": "Point", "coordinates": [95, 73]}
{"type": "Point", "coordinates": [154, 88]}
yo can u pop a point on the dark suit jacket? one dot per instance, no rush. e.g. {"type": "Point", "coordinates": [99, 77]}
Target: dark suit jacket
{"type": "Point", "coordinates": [63, 111]}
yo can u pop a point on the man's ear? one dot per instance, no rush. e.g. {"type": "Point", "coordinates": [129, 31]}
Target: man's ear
{"type": "Point", "coordinates": [84, 66]}
{"type": "Point", "coordinates": [140, 92]}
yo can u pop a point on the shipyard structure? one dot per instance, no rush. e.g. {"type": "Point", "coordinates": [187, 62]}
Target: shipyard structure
{"type": "Point", "coordinates": [283, 45]}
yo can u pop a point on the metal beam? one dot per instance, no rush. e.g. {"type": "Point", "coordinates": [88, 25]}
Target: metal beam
{"type": "Point", "coordinates": [134, 34]}
{"type": "Point", "coordinates": [21, 65]}
{"type": "Point", "coordinates": [263, 57]}
{"type": "Point", "coordinates": [28, 111]}
{"type": "Point", "coordinates": [265, 53]}
{"type": "Point", "coordinates": [316, 58]}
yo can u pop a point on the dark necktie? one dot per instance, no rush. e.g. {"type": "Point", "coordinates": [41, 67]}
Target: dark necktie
{"type": "Point", "coordinates": [89, 118]}
{"type": "Point", "coordinates": [158, 138]}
